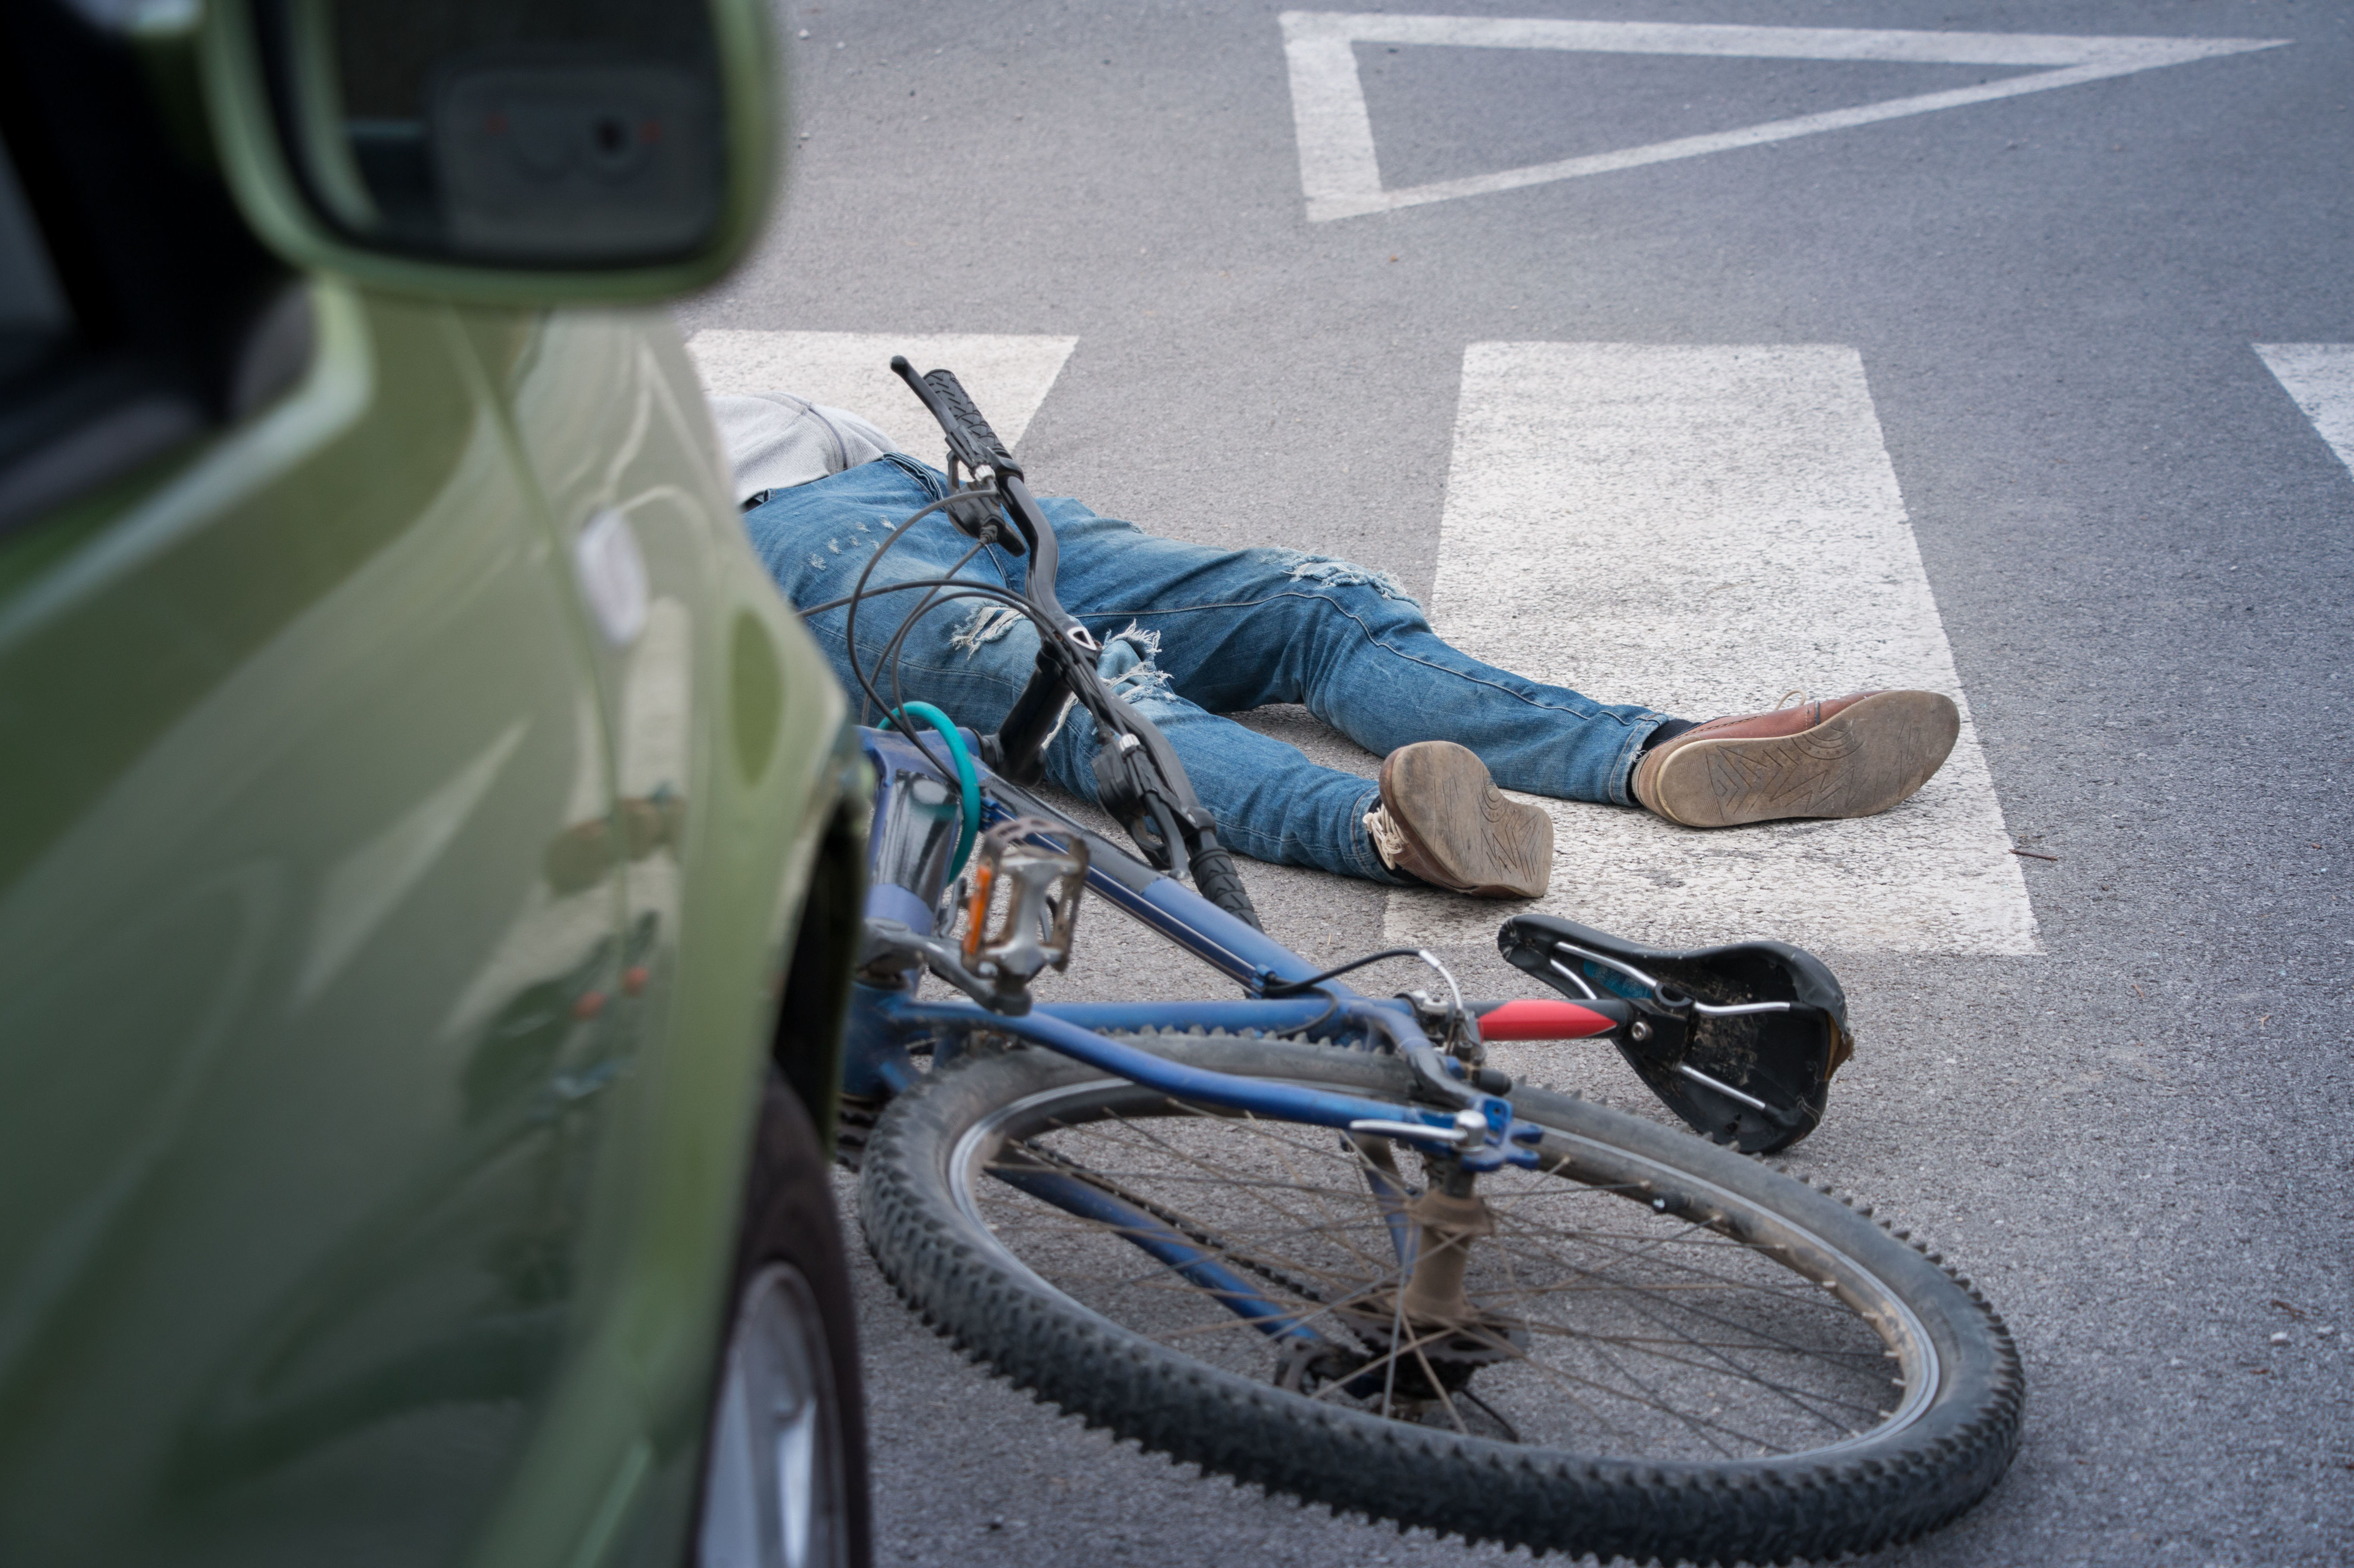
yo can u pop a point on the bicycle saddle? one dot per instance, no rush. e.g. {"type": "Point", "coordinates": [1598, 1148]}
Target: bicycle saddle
{"type": "Point", "coordinates": [1741, 1040]}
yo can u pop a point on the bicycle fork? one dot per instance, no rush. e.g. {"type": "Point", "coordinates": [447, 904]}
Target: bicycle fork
{"type": "Point", "coordinates": [1446, 1224]}
{"type": "Point", "coordinates": [1432, 1233]}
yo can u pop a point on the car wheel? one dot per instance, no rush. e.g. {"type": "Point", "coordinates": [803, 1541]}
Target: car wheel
{"type": "Point", "coordinates": [784, 1472]}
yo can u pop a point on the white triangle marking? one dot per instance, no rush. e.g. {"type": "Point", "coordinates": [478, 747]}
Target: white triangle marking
{"type": "Point", "coordinates": [1338, 172]}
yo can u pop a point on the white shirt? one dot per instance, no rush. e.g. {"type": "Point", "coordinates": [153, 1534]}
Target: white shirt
{"type": "Point", "coordinates": [774, 439]}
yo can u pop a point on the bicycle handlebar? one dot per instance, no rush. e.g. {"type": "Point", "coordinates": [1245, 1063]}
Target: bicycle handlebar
{"type": "Point", "coordinates": [1138, 775]}
{"type": "Point", "coordinates": [973, 447]}
{"type": "Point", "coordinates": [970, 440]}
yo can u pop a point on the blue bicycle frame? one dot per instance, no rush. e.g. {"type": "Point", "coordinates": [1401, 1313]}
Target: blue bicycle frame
{"type": "Point", "coordinates": [924, 825]}
{"type": "Point", "coordinates": [911, 843]}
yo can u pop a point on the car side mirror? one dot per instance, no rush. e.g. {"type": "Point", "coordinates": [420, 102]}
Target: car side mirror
{"type": "Point", "coordinates": [498, 150]}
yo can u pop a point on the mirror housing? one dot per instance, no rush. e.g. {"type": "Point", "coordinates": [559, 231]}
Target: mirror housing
{"type": "Point", "coordinates": [498, 152]}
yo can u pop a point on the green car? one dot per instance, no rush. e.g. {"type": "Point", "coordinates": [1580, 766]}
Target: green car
{"type": "Point", "coordinates": [429, 845]}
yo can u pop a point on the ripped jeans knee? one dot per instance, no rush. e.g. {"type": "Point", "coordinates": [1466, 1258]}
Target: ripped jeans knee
{"type": "Point", "coordinates": [1128, 663]}
{"type": "Point", "coordinates": [986, 624]}
{"type": "Point", "coordinates": [1324, 571]}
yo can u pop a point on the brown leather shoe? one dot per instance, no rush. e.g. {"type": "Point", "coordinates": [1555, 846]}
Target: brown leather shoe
{"type": "Point", "coordinates": [1849, 757]}
{"type": "Point", "coordinates": [1443, 819]}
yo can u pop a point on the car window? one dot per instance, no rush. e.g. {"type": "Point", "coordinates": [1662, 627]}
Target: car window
{"type": "Point", "coordinates": [33, 315]}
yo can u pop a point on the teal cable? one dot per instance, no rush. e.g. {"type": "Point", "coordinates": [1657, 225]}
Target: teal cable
{"type": "Point", "coordinates": [968, 777]}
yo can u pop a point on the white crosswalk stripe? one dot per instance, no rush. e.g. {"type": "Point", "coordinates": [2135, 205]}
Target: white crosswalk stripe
{"type": "Point", "coordinates": [1700, 528]}
{"type": "Point", "coordinates": [1697, 528]}
{"type": "Point", "coordinates": [2320, 376]}
{"type": "Point", "coordinates": [1008, 375]}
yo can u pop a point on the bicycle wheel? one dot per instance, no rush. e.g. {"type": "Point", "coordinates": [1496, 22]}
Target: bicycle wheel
{"type": "Point", "coordinates": [1660, 1347]}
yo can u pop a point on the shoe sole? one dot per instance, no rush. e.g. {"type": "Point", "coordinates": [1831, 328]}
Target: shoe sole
{"type": "Point", "coordinates": [1863, 759]}
{"type": "Point", "coordinates": [1461, 825]}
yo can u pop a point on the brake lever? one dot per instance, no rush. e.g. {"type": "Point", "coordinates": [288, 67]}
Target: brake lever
{"type": "Point", "coordinates": [1127, 786]}
{"type": "Point", "coordinates": [1144, 768]}
{"type": "Point", "coordinates": [973, 449]}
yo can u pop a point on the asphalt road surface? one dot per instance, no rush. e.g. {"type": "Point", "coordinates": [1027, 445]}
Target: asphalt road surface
{"type": "Point", "coordinates": [2109, 1078]}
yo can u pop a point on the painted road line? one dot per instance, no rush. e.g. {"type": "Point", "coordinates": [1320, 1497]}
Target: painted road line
{"type": "Point", "coordinates": [2320, 377]}
{"type": "Point", "coordinates": [1702, 529]}
{"type": "Point", "coordinates": [1341, 175]}
{"type": "Point", "coordinates": [1008, 377]}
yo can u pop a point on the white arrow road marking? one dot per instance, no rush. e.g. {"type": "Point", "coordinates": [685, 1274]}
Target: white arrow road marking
{"type": "Point", "coordinates": [1700, 529]}
{"type": "Point", "coordinates": [1341, 176]}
{"type": "Point", "coordinates": [2320, 376]}
{"type": "Point", "coordinates": [1008, 377]}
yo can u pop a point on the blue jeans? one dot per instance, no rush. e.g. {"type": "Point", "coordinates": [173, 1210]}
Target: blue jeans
{"type": "Point", "coordinates": [1192, 632]}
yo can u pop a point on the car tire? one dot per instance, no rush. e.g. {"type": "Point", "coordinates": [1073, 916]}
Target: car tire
{"type": "Point", "coordinates": [784, 1469]}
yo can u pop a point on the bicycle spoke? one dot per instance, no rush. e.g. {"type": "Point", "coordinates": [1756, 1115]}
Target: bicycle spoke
{"type": "Point", "coordinates": [1632, 1292]}
{"type": "Point", "coordinates": [1748, 1373]}
{"type": "Point", "coordinates": [1259, 1190]}
{"type": "Point", "coordinates": [1211, 1242]}
{"type": "Point", "coordinates": [1609, 1308]}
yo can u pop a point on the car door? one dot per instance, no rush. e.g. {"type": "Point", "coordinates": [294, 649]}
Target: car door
{"type": "Point", "coordinates": [311, 965]}
{"type": "Point", "coordinates": [729, 763]}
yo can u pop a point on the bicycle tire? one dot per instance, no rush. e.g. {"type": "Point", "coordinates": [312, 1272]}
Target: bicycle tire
{"type": "Point", "coordinates": [957, 1246]}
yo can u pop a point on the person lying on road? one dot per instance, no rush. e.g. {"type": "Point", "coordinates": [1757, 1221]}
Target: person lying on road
{"type": "Point", "coordinates": [1191, 633]}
